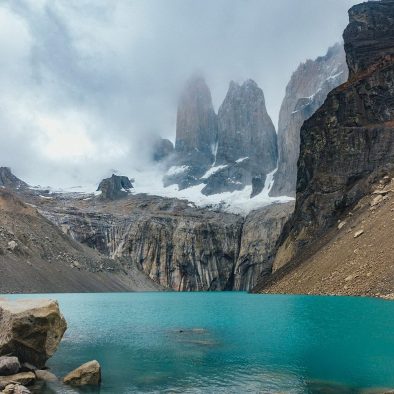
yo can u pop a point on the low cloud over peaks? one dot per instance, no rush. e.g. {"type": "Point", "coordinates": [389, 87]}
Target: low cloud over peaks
{"type": "Point", "coordinates": [86, 86]}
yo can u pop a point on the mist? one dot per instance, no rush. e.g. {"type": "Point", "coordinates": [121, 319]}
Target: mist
{"type": "Point", "coordinates": [87, 86]}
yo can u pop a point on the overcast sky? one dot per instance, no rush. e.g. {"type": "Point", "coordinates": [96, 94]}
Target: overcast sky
{"type": "Point", "coordinates": [87, 84]}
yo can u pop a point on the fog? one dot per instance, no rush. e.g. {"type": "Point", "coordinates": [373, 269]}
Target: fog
{"type": "Point", "coordinates": [86, 86]}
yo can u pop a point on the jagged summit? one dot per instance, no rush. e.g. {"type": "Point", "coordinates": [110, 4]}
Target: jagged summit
{"type": "Point", "coordinates": [196, 126]}
{"type": "Point", "coordinates": [224, 152]}
{"type": "Point", "coordinates": [114, 187]}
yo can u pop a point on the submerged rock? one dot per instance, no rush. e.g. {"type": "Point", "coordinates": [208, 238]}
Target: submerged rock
{"type": "Point", "coordinates": [87, 374]}
{"type": "Point", "coordinates": [30, 329]}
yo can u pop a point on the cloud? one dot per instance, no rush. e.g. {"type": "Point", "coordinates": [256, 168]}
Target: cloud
{"type": "Point", "coordinates": [87, 85]}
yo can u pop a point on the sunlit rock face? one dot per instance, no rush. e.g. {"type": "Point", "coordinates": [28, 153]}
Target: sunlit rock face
{"type": "Point", "coordinates": [305, 93]}
{"type": "Point", "coordinates": [349, 142]}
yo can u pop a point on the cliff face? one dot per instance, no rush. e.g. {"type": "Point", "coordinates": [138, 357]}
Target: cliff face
{"type": "Point", "coordinates": [196, 125]}
{"type": "Point", "coordinates": [196, 134]}
{"type": "Point", "coordinates": [305, 93]}
{"type": "Point", "coordinates": [246, 144]}
{"type": "Point", "coordinates": [349, 142]}
{"type": "Point", "coordinates": [179, 247]}
{"type": "Point", "coordinates": [36, 257]}
{"type": "Point", "coordinates": [260, 233]}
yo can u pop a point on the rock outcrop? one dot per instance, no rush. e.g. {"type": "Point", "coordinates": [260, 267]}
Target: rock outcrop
{"type": "Point", "coordinates": [9, 180]}
{"type": "Point", "coordinates": [114, 187]}
{"type": "Point", "coordinates": [196, 134]}
{"type": "Point", "coordinates": [30, 330]}
{"type": "Point", "coordinates": [260, 233]}
{"type": "Point", "coordinates": [305, 93]}
{"type": "Point", "coordinates": [87, 374]}
{"type": "Point", "coordinates": [196, 125]}
{"type": "Point", "coordinates": [349, 142]}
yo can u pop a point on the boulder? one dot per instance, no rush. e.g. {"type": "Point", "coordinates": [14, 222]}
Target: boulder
{"type": "Point", "coordinates": [30, 329]}
{"type": "Point", "coordinates": [23, 378]}
{"type": "Point", "coordinates": [9, 365]}
{"type": "Point", "coordinates": [87, 374]}
{"type": "Point", "coordinates": [16, 389]}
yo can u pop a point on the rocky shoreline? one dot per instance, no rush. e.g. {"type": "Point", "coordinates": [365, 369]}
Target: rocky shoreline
{"type": "Point", "coordinates": [30, 332]}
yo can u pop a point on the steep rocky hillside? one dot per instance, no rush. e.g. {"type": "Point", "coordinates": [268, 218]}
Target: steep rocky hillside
{"type": "Point", "coordinates": [35, 256]}
{"type": "Point", "coordinates": [348, 144]}
{"type": "Point", "coordinates": [354, 258]}
{"type": "Point", "coordinates": [305, 93]}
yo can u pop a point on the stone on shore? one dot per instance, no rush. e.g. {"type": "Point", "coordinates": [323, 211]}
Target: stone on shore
{"type": "Point", "coordinates": [30, 329]}
{"type": "Point", "coordinates": [16, 389]}
{"type": "Point", "coordinates": [9, 365]}
{"type": "Point", "coordinates": [87, 374]}
{"type": "Point", "coordinates": [23, 378]}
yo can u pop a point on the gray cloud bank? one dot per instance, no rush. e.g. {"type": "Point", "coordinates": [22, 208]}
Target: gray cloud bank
{"type": "Point", "coordinates": [87, 85]}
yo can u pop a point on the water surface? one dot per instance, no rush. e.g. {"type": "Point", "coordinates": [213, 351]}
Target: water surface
{"type": "Point", "coordinates": [228, 342]}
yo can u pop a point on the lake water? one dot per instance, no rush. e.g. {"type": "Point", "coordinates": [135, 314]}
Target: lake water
{"type": "Point", "coordinates": [228, 342]}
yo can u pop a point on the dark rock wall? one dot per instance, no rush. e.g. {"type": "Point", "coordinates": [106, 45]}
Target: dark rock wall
{"type": "Point", "coordinates": [349, 142]}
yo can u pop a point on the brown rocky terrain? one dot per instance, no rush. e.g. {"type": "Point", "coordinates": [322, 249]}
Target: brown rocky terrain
{"type": "Point", "coordinates": [354, 258]}
{"type": "Point", "coordinates": [347, 146]}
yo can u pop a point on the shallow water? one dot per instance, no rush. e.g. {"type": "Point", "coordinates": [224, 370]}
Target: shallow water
{"type": "Point", "coordinates": [228, 342]}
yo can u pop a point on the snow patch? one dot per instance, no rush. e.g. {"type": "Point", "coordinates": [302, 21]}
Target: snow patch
{"type": "Point", "coordinates": [213, 170]}
{"type": "Point", "coordinates": [242, 159]}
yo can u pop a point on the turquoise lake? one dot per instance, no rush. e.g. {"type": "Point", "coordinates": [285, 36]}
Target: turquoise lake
{"type": "Point", "coordinates": [227, 342]}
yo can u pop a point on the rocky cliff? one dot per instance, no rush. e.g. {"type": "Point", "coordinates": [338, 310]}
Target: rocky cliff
{"type": "Point", "coordinates": [226, 152]}
{"type": "Point", "coordinates": [178, 246]}
{"type": "Point", "coordinates": [35, 256]}
{"type": "Point", "coordinates": [196, 134]}
{"type": "Point", "coordinates": [349, 142]}
{"type": "Point", "coordinates": [246, 143]}
{"type": "Point", "coordinates": [305, 93]}
{"type": "Point", "coordinates": [260, 233]}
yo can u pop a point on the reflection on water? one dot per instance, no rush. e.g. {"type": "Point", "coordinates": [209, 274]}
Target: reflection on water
{"type": "Point", "coordinates": [228, 343]}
